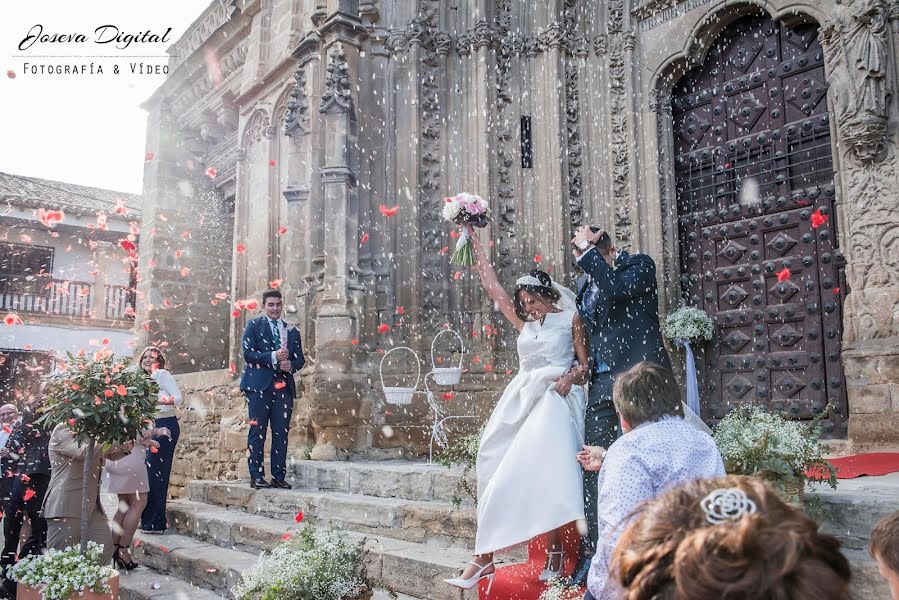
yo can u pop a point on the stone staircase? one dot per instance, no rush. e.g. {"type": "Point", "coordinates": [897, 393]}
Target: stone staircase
{"type": "Point", "coordinates": [416, 537]}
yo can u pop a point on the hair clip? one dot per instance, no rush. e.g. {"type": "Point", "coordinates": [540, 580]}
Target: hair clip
{"type": "Point", "coordinates": [727, 504]}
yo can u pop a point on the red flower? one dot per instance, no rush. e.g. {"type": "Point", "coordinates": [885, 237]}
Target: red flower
{"type": "Point", "coordinates": [211, 172]}
{"type": "Point", "coordinates": [71, 422]}
{"type": "Point", "coordinates": [108, 393]}
{"type": "Point", "coordinates": [149, 156]}
{"type": "Point", "coordinates": [121, 390]}
{"type": "Point", "coordinates": [388, 212]}
{"type": "Point", "coordinates": [818, 219]}
{"type": "Point", "coordinates": [383, 328]}
{"type": "Point", "coordinates": [241, 248]}
{"type": "Point", "coordinates": [783, 275]}
{"type": "Point", "coordinates": [127, 245]}
{"type": "Point", "coordinates": [836, 291]}
{"type": "Point", "coordinates": [299, 517]}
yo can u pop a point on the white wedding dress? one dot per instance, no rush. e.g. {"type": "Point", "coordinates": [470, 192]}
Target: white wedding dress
{"type": "Point", "coordinates": [529, 482]}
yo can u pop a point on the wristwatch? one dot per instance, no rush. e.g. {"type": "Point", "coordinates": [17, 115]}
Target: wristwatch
{"type": "Point", "coordinates": [583, 245]}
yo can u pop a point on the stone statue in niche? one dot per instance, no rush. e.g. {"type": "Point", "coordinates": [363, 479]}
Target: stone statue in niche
{"type": "Point", "coordinates": [857, 53]}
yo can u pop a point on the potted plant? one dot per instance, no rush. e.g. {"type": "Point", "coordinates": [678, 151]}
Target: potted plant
{"type": "Point", "coordinates": [103, 401]}
{"type": "Point", "coordinates": [314, 564]}
{"type": "Point", "coordinates": [64, 574]}
{"type": "Point", "coordinates": [785, 453]}
{"type": "Point", "coordinates": [686, 326]}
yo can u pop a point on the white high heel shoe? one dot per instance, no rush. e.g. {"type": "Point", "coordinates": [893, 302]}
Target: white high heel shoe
{"type": "Point", "coordinates": [467, 584]}
{"type": "Point", "coordinates": [549, 573]}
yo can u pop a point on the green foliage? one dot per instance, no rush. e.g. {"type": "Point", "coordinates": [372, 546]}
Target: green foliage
{"type": "Point", "coordinates": [65, 573]}
{"type": "Point", "coordinates": [784, 452]}
{"type": "Point", "coordinates": [100, 397]}
{"type": "Point", "coordinates": [310, 566]}
{"type": "Point", "coordinates": [463, 451]}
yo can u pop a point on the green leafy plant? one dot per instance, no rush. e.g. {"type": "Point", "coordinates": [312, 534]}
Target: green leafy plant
{"type": "Point", "coordinates": [313, 565]}
{"type": "Point", "coordinates": [62, 574]}
{"type": "Point", "coordinates": [100, 398]}
{"type": "Point", "coordinates": [690, 324]}
{"type": "Point", "coordinates": [463, 451]}
{"type": "Point", "coordinates": [786, 453]}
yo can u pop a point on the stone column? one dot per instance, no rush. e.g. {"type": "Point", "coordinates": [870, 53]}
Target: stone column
{"type": "Point", "coordinates": [860, 64]}
{"type": "Point", "coordinates": [338, 384]}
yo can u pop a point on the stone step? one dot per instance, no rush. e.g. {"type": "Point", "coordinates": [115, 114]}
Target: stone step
{"type": "Point", "coordinates": [851, 511]}
{"type": "Point", "coordinates": [409, 480]}
{"type": "Point", "coordinates": [435, 523]}
{"type": "Point", "coordinates": [867, 582]}
{"type": "Point", "coordinates": [146, 584]}
{"type": "Point", "coordinates": [214, 545]}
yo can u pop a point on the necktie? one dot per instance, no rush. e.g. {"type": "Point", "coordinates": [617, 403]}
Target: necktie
{"type": "Point", "coordinates": [276, 333]}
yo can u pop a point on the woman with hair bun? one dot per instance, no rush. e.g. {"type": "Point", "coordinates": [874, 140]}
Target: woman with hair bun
{"type": "Point", "coordinates": [528, 481]}
{"type": "Point", "coordinates": [731, 538]}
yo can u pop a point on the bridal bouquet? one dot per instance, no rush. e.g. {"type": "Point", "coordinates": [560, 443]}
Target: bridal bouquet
{"type": "Point", "coordinates": [465, 209]}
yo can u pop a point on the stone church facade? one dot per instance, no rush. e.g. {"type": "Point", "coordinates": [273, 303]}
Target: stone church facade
{"type": "Point", "coordinates": [749, 147]}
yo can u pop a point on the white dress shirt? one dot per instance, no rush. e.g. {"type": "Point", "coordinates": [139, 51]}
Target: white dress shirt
{"type": "Point", "coordinates": [639, 466]}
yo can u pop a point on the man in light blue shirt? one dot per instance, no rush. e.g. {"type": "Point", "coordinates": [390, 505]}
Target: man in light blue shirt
{"type": "Point", "coordinates": [658, 450]}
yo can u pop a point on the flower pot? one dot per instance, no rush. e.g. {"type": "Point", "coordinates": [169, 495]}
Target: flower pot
{"type": "Point", "coordinates": [26, 592]}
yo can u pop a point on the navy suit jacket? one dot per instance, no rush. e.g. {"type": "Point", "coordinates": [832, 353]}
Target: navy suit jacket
{"type": "Point", "coordinates": [624, 318]}
{"type": "Point", "coordinates": [259, 373]}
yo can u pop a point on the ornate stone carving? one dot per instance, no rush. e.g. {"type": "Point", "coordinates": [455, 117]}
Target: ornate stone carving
{"type": "Point", "coordinates": [443, 43]}
{"type": "Point", "coordinates": [202, 31]}
{"type": "Point", "coordinates": [396, 41]}
{"type": "Point", "coordinates": [620, 140]}
{"type": "Point", "coordinates": [857, 50]}
{"type": "Point", "coordinates": [552, 36]}
{"type": "Point", "coordinates": [484, 34]}
{"type": "Point", "coordinates": [464, 44]}
{"type": "Point", "coordinates": [296, 119]}
{"type": "Point", "coordinates": [573, 147]}
{"type": "Point", "coordinates": [601, 44]}
{"type": "Point", "coordinates": [417, 32]}
{"type": "Point", "coordinates": [511, 45]}
{"type": "Point", "coordinates": [615, 16]}
{"type": "Point", "coordinates": [337, 97]}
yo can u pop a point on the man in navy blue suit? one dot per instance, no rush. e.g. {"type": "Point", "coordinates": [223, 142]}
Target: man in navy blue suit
{"type": "Point", "coordinates": [619, 302]}
{"type": "Point", "coordinates": [273, 353]}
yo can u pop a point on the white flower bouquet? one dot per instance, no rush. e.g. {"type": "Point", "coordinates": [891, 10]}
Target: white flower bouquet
{"type": "Point", "coordinates": [689, 324]}
{"type": "Point", "coordinates": [465, 209]}
{"type": "Point", "coordinates": [62, 574]}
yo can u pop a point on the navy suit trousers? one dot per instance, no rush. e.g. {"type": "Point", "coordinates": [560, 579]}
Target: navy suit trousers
{"type": "Point", "coordinates": [271, 407]}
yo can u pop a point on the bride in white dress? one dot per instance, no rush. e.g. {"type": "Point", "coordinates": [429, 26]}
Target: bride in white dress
{"type": "Point", "coordinates": [529, 482]}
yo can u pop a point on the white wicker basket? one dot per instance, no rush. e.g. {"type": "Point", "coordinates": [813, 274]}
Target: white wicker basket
{"type": "Point", "coordinates": [399, 395]}
{"type": "Point", "coordinates": [447, 375]}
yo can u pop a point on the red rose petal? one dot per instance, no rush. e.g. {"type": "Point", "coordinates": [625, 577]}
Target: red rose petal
{"type": "Point", "coordinates": [286, 537]}
{"type": "Point", "coordinates": [149, 156]}
{"type": "Point", "coordinates": [29, 494]}
{"type": "Point", "coordinates": [537, 258]}
{"type": "Point", "coordinates": [274, 283]}
{"type": "Point", "coordinates": [153, 450]}
{"type": "Point", "coordinates": [299, 517]}
{"type": "Point", "coordinates": [818, 219]}
{"type": "Point", "coordinates": [272, 163]}
{"type": "Point", "coordinates": [211, 172]}
{"type": "Point", "coordinates": [363, 238]}
{"type": "Point", "coordinates": [836, 291]}
{"type": "Point", "coordinates": [783, 275]}
{"type": "Point", "coordinates": [253, 422]}
{"type": "Point", "coordinates": [449, 395]}
{"type": "Point", "coordinates": [388, 211]}
{"type": "Point", "coordinates": [354, 342]}
{"type": "Point", "coordinates": [383, 328]}
{"type": "Point", "coordinates": [121, 390]}
{"type": "Point", "coordinates": [252, 304]}
{"type": "Point", "coordinates": [282, 230]}
{"type": "Point", "coordinates": [280, 385]}
{"type": "Point", "coordinates": [241, 248]}
{"type": "Point", "coordinates": [108, 393]}
{"type": "Point", "coordinates": [12, 319]}
{"type": "Point", "coordinates": [235, 313]}
{"type": "Point", "coordinates": [10, 73]}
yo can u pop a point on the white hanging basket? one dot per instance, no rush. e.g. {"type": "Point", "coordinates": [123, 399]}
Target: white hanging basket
{"type": "Point", "coordinates": [447, 375]}
{"type": "Point", "coordinates": [399, 395]}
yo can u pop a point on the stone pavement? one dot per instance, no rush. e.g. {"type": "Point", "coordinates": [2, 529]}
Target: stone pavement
{"type": "Point", "coordinates": [416, 537]}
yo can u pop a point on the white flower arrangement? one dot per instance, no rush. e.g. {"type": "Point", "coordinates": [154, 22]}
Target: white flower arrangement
{"type": "Point", "coordinates": [753, 441]}
{"type": "Point", "coordinates": [561, 589]}
{"type": "Point", "coordinates": [65, 573]}
{"type": "Point", "coordinates": [314, 565]}
{"type": "Point", "coordinates": [465, 209]}
{"type": "Point", "coordinates": [690, 324]}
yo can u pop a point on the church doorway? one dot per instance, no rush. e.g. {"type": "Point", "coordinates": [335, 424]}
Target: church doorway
{"type": "Point", "coordinates": [756, 221]}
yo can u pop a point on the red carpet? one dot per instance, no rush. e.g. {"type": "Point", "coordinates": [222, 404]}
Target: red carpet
{"type": "Point", "coordinates": [519, 582]}
{"type": "Point", "coordinates": [859, 465]}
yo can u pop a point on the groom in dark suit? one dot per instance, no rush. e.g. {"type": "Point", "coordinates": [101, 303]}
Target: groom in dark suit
{"type": "Point", "coordinates": [273, 353]}
{"type": "Point", "coordinates": [619, 302]}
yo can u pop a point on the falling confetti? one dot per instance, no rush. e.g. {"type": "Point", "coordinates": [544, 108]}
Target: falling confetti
{"type": "Point", "coordinates": [388, 212]}
{"type": "Point", "coordinates": [383, 328]}
{"type": "Point", "coordinates": [783, 275]}
{"type": "Point", "coordinates": [149, 156]}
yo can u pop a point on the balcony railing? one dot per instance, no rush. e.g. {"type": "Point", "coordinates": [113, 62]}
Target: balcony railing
{"type": "Point", "coordinates": [78, 299]}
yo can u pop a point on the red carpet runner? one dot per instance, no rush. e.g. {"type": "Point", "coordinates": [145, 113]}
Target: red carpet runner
{"type": "Point", "coordinates": [519, 582]}
{"type": "Point", "coordinates": [858, 465]}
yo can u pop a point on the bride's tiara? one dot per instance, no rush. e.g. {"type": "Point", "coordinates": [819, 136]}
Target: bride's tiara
{"type": "Point", "coordinates": [531, 280]}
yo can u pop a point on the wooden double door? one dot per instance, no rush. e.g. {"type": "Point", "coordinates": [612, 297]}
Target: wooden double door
{"type": "Point", "coordinates": [756, 222]}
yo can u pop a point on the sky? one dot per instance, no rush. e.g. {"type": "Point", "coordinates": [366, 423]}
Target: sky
{"type": "Point", "coordinates": [83, 129]}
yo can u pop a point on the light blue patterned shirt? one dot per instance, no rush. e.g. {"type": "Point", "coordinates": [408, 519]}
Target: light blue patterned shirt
{"type": "Point", "coordinates": [641, 465]}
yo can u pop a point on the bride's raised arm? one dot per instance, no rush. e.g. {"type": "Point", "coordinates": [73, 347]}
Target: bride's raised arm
{"type": "Point", "coordinates": [491, 283]}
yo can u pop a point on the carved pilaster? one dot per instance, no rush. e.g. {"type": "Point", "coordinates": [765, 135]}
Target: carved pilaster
{"type": "Point", "coordinates": [620, 140]}
{"type": "Point", "coordinates": [337, 96]}
{"type": "Point", "coordinates": [574, 144]}
{"type": "Point", "coordinates": [552, 36]}
{"type": "Point", "coordinates": [296, 119]}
